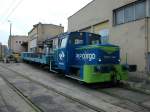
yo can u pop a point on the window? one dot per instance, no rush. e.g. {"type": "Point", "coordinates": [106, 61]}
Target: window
{"type": "Point", "coordinates": [94, 39]}
{"type": "Point", "coordinates": [77, 40]}
{"type": "Point", "coordinates": [130, 12]}
{"type": "Point", "coordinates": [120, 16]}
{"type": "Point", "coordinates": [140, 10]}
{"type": "Point", "coordinates": [104, 33]}
{"type": "Point", "coordinates": [63, 42]}
{"type": "Point", "coordinates": [49, 43]}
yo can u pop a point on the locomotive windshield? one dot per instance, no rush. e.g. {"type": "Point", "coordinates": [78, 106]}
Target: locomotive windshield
{"type": "Point", "coordinates": [94, 39]}
{"type": "Point", "coordinates": [63, 42]}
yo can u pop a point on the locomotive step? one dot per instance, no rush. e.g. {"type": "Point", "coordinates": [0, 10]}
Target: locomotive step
{"type": "Point", "coordinates": [73, 77]}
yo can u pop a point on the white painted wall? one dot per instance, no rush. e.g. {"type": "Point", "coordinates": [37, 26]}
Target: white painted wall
{"type": "Point", "coordinates": [33, 43]}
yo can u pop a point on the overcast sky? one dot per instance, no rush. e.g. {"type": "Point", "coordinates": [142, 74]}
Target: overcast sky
{"type": "Point", "coordinates": [25, 13]}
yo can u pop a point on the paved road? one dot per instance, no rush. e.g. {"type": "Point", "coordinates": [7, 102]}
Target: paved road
{"type": "Point", "coordinates": [101, 99]}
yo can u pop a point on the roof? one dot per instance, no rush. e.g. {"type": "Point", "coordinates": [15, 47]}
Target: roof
{"type": "Point", "coordinates": [34, 26]}
{"type": "Point", "coordinates": [18, 35]}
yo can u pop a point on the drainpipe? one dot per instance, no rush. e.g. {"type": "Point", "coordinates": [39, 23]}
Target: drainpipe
{"type": "Point", "coordinates": [147, 36]}
{"type": "Point", "coordinates": [126, 58]}
{"type": "Point", "coordinates": [37, 48]}
{"type": "Point", "coordinates": [147, 45]}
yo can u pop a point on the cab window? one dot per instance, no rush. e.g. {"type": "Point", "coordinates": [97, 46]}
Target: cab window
{"type": "Point", "coordinates": [94, 39]}
{"type": "Point", "coordinates": [77, 40]}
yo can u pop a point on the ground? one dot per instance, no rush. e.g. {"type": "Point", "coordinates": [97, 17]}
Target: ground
{"type": "Point", "coordinates": [47, 92]}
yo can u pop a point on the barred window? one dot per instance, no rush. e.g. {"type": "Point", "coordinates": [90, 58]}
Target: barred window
{"type": "Point", "coordinates": [130, 12]}
{"type": "Point", "coordinates": [119, 16]}
{"type": "Point", "coordinates": [140, 10]}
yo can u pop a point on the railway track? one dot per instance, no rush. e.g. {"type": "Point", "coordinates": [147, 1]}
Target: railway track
{"type": "Point", "coordinates": [122, 87]}
{"type": "Point", "coordinates": [4, 102]}
{"type": "Point", "coordinates": [125, 98]}
{"type": "Point", "coordinates": [16, 90]}
{"type": "Point", "coordinates": [95, 108]}
{"type": "Point", "coordinates": [36, 107]}
{"type": "Point", "coordinates": [132, 96]}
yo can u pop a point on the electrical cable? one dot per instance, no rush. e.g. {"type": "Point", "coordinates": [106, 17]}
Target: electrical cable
{"type": "Point", "coordinates": [13, 9]}
{"type": "Point", "coordinates": [7, 10]}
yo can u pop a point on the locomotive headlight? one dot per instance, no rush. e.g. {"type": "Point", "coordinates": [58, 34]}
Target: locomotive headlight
{"type": "Point", "coordinates": [119, 60]}
{"type": "Point", "coordinates": [99, 60]}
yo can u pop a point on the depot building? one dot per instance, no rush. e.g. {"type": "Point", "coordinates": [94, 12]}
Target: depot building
{"type": "Point", "coordinates": [122, 22]}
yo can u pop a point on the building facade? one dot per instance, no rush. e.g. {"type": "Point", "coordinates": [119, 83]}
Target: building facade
{"type": "Point", "coordinates": [15, 43]}
{"type": "Point", "coordinates": [0, 51]}
{"type": "Point", "coordinates": [122, 22]}
{"type": "Point", "coordinates": [3, 51]}
{"type": "Point", "coordinates": [39, 33]}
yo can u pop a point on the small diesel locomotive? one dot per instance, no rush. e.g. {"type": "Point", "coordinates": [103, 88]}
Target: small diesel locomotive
{"type": "Point", "coordinates": [81, 56]}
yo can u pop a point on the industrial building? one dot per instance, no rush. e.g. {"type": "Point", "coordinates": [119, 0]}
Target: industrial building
{"type": "Point", "coordinates": [122, 22]}
{"type": "Point", "coordinates": [3, 51]}
{"type": "Point", "coordinates": [15, 43]}
{"type": "Point", "coordinates": [39, 33]}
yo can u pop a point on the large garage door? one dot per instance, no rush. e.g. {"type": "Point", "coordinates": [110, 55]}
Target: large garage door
{"type": "Point", "coordinates": [101, 26]}
{"type": "Point", "coordinates": [103, 30]}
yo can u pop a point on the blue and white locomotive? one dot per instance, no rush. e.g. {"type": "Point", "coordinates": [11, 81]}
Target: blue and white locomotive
{"type": "Point", "coordinates": [80, 55]}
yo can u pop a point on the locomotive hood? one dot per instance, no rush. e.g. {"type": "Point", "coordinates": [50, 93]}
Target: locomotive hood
{"type": "Point", "coordinates": [97, 54]}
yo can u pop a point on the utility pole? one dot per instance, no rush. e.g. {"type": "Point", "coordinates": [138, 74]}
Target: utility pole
{"type": "Point", "coordinates": [10, 35]}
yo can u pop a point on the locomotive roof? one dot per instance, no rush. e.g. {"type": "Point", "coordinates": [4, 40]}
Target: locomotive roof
{"type": "Point", "coordinates": [67, 33]}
